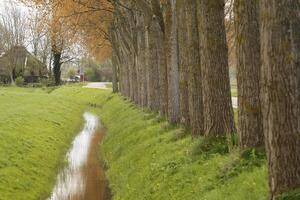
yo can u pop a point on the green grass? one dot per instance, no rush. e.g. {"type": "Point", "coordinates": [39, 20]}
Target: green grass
{"type": "Point", "coordinates": [36, 130]}
{"type": "Point", "coordinates": [233, 86]}
{"type": "Point", "coordinates": [234, 92]}
{"type": "Point", "coordinates": [147, 159]}
{"type": "Point", "coordinates": [233, 81]}
{"type": "Point", "coordinates": [109, 85]}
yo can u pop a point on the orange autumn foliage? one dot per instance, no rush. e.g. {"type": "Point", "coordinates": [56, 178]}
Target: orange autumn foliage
{"type": "Point", "coordinates": [82, 21]}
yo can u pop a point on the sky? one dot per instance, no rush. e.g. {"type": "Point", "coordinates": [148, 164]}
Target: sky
{"type": "Point", "coordinates": [7, 2]}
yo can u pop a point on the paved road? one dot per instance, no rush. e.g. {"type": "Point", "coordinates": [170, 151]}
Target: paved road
{"type": "Point", "coordinates": [97, 85]}
{"type": "Point", "coordinates": [102, 85]}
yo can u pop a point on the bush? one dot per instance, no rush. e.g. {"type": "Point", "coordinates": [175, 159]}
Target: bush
{"type": "Point", "coordinates": [19, 81]}
{"type": "Point", "coordinates": [47, 82]}
{"type": "Point", "coordinates": [35, 85]}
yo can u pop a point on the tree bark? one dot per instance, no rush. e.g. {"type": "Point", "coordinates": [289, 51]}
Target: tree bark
{"type": "Point", "coordinates": [279, 93]}
{"type": "Point", "coordinates": [218, 111]}
{"type": "Point", "coordinates": [161, 53]}
{"type": "Point", "coordinates": [115, 73]}
{"type": "Point", "coordinates": [141, 64]}
{"type": "Point", "coordinates": [194, 67]}
{"type": "Point", "coordinates": [163, 73]}
{"type": "Point", "coordinates": [172, 62]}
{"type": "Point", "coordinates": [57, 66]}
{"type": "Point", "coordinates": [248, 73]}
{"type": "Point", "coordinates": [154, 90]}
{"type": "Point", "coordinates": [12, 80]}
{"type": "Point", "coordinates": [183, 62]}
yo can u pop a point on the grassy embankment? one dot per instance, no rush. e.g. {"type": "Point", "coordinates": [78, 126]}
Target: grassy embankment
{"type": "Point", "coordinates": [36, 130]}
{"type": "Point", "coordinates": [146, 157]}
{"type": "Point", "coordinates": [149, 159]}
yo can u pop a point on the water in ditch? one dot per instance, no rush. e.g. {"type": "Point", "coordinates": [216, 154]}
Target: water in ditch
{"type": "Point", "coordinates": [83, 178]}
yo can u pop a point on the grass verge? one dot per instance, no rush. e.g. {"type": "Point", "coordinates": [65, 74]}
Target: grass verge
{"type": "Point", "coordinates": [149, 159]}
{"type": "Point", "coordinates": [36, 130]}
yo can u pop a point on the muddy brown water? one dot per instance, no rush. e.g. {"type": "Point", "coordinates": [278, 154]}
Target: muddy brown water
{"type": "Point", "coordinates": [83, 178]}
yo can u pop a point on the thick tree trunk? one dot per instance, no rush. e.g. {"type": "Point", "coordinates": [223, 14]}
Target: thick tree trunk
{"type": "Point", "coordinates": [183, 62]}
{"type": "Point", "coordinates": [115, 59]}
{"type": "Point", "coordinates": [154, 90]}
{"type": "Point", "coordinates": [250, 128]}
{"type": "Point", "coordinates": [56, 67]}
{"type": "Point", "coordinates": [172, 62]}
{"type": "Point", "coordinates": [124, 75]}
{"type": "Point", "coordinates": [218, 111]}
{"type": "Point", "coordinates": [161, 55]}
{"type": "Point", "coordinates": [194, 67]}
{"type": "Point", "coordinates": [163, 73]}
{"type": "Point", "coordinates": [279, 93]}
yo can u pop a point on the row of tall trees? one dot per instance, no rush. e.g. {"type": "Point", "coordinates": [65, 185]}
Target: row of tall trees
{"type": "Point", "coordinates": [171, 56]}
{"type": "Point", "coordinates": [267, 41]}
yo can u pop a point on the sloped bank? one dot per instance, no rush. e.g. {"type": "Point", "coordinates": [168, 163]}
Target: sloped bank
{"type": "Point", "coordinates": [148, 159]}
{"type": "Point", "coordinates": [37, 127]}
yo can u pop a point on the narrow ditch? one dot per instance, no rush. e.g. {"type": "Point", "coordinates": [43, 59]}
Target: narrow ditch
{"type": "Point", "coordinates": [83, 178]}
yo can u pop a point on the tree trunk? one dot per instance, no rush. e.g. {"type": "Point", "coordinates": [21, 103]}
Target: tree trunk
{"type": "Point", "coordinates": [183, 62]}
{"type": "Point", "coordinates": [133, 57]}
{"type": "Point", "coordinates": [279, 93]}
{"type": "Point", "coordinates": [172, 62]}
{"type": "Point", "coordinates": [133, 78]}
{"type": "Point", "coordinates": [158, 21]}
{"type": "Point", "coordinates": [163, 73]}
{"type": "Point", "coordinates": [195, 83]}
{"type": "Point", "coordinates": [218, 111]}
{"type": "Point", "coordinates": [126, 73]}
{"type": "Point", "coordinates": [115, 73]}
{"type": "Point", "coordinates": [50, 66]}
{"type": "Point", "coordinates": [154, 90]}
{"type": "Point", "coordinates": [12, 80]}
{"type": "Point", "coordinates": [56, 67]}
{"type": "Point", "coordinates": [248, 73]}
{"type": "Point", "coordinates": [141, 60]}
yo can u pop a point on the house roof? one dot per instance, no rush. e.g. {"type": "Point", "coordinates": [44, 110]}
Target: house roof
{"type": "Point", "coordinates": [22, 61]}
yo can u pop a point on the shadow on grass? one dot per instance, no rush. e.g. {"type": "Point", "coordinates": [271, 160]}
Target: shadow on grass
{"type": "Point", "coordinates": [292, 195]}
{"type": "Point", "coordinates": [248, 160]}
{"type": "Point", "coordinates": [208, 146]}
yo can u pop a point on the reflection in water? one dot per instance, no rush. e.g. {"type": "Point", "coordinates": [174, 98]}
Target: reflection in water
{"type": "Point", "coordinates": [83, 179]}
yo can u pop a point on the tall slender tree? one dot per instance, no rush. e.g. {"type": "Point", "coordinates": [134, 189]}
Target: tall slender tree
{"type": "Point", "coordinates": [161, 55]}
{"type": "Point", "coordinates": [250, 127]}
{"type": "Point", "coordinates": [171, 45]}
{"type": "Point", "coordinates": [194, 70]}
{"type": "Point", "coordinates": [153, 67]}
{"type": "Point", "coordinates": [183, 62]}
{"type": "Point", "coordinates": [217, 110]}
